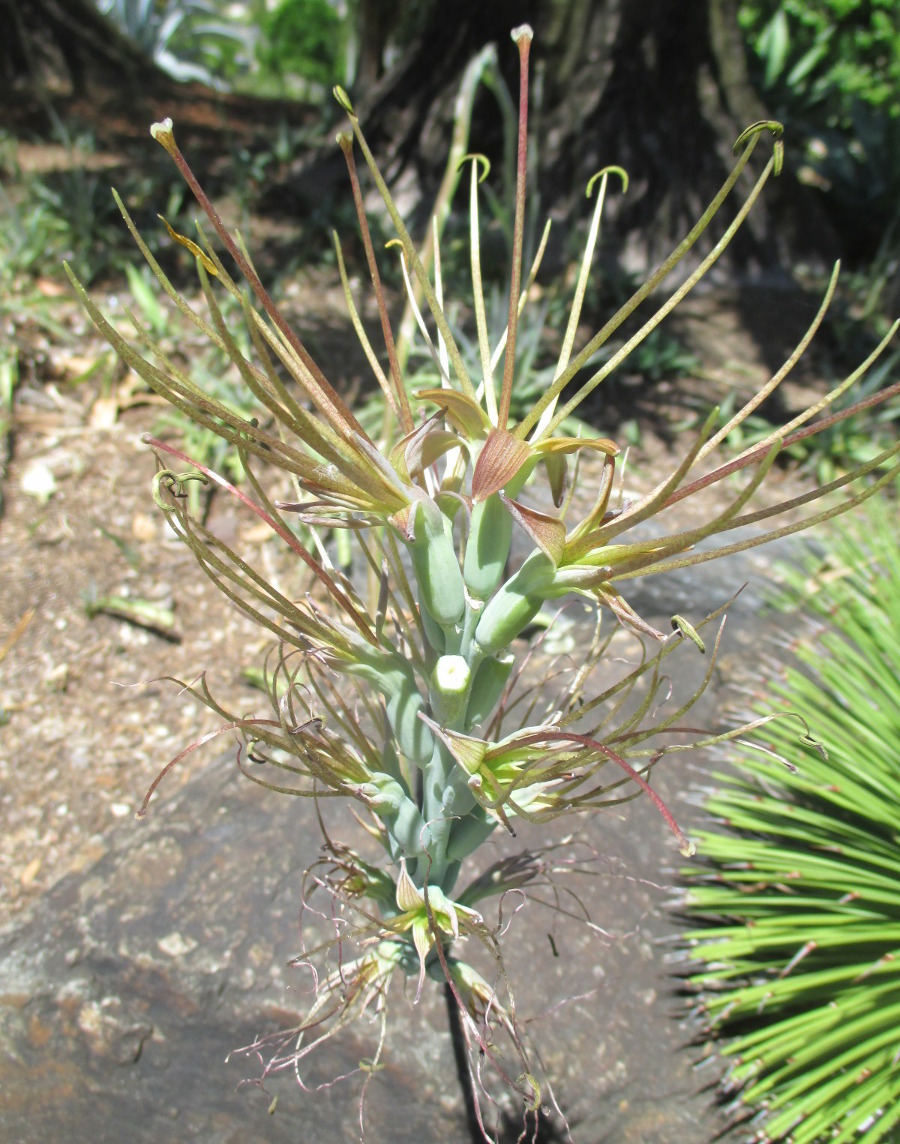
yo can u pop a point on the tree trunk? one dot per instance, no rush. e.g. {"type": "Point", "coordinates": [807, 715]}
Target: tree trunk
{"type": "Point", "coordinates": [658, 87]}
{"type": "Point", "coordinates": [57, 51]}
{"type": "Point", "coordinates": [62, 62]}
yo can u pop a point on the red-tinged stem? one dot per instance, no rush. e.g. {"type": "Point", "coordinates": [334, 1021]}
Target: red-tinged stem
{"type": "Point", "coordinates": [292, 542]}
{"type": "Point", "coordinates": [202, 741]}
{"type": "Point", "coordinates": [799, 435]}
{"type": "Point", "coordinates": [522, 37]}
{"type": "Point", "coordinates": [326, 398]}
{"type": "Point", "coordinates": [684, 845]}
{"type": "Point", "coordinates": [403, 411]}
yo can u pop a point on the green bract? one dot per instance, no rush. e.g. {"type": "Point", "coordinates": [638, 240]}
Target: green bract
{"type": "Point", "coordinates": [402, 696]}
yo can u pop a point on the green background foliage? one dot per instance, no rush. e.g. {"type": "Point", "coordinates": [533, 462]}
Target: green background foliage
{"type": "Point", "coordinates": [800, 884]}
{"type": "Point", "coordinates": [831, 72]}
{"type": "Point", "coordinates": [303, 37]}
{"type": "Point", "coordinates": [831, 54]}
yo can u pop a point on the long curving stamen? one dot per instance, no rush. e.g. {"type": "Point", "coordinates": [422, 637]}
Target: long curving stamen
{"type": "Point", "coordinates": [581, 286]}
{"type": "Point", "coordinates": [341, 599]}
{"type": "Point", "coordinates": [484, 346]}
{"type": "Point", "coordinates": [400, 399]}
{"type": "Point", "coordinates": [522, 37]}
{"type": "Point", "coordinates": [409, 249]}
{"type": "Point", "coordinates": [330, 403]}
{"type": "Point", "coordinates": [662, 272]}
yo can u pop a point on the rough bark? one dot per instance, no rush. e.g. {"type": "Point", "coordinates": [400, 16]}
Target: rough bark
{"type": "Point", "coordinates": [659, 87]}
{"type": "Point", "coordinates": [63, 63]}
{"type": "Point", "coordinates": [57, 47]}
{"type": "Point", "coordinates": [656, 86]}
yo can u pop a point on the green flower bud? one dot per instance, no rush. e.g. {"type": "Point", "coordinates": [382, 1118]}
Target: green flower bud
{"type": "Point", "coordinates": [487, 687]}
{"type": "Point", "coordinates": [487, 550]}
{"type": "Point", "coordinates": [395, 679]}
{"type": "Point", "coordinates": [516, 604]}
{"type": "Point", "coordinates": [434, 633]}
{"type": "Point", "coordinates": [400, 815]}
{"type": "Point", "coordinates": [436, 567]}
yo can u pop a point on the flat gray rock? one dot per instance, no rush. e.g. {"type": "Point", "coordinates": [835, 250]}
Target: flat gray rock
{"type": "Point", "coordinates": [126, 986]}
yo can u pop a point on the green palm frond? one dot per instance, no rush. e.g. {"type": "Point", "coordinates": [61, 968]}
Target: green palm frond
{"type": "Point", "coordinates": [799, 890]}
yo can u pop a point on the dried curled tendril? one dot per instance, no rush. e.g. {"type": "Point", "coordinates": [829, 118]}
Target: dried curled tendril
{"type": "Point", "coordinates": [168, 481]}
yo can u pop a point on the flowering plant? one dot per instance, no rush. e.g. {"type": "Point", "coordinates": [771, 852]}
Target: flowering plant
{"type": "Point", "coordinates": [429, 737]}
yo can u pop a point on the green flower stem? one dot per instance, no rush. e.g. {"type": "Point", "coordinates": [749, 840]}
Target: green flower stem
{"type": "Point", "coordinates": [436, 567]}
{"type": "Point", "coordinates": [446, 798]}
{"type": "Point", "coordinates": [395, 679]}
{"type": "Point", "coordinates": [467, 646]}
